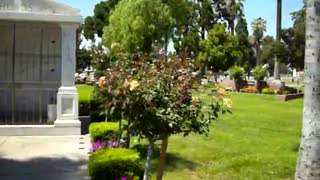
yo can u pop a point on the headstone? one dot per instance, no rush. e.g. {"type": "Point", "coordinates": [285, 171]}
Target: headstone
{"type": "Point", "coordinates": [276, 85]}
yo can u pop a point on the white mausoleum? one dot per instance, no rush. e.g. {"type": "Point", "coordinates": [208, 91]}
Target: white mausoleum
{"type": "Point", "coordinates": [37, 66]}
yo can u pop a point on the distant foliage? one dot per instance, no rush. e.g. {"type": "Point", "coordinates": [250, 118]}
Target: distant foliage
{"type": "Point", "coordinates": [237, 72]}
{"type": "Point", "coordinates": [268, 91]}
{"type": "Point", "coordinates": [259, 73]}
{"type": "Point", "coordinates": [139, 25]}
{"type": "Point", "coordinates": [221, 50]}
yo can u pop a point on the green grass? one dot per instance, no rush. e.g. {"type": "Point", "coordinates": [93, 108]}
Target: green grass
{"type": "Point", "coordinates": [258, 141]}
{"type": "Point", "coordinates": [84, 91]}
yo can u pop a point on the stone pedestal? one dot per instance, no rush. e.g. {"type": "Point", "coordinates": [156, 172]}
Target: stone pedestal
{"type": "Point", "coordinates": [67, 108]}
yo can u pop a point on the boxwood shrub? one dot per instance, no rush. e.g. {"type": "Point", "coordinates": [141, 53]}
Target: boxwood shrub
{"type": "Point", "coordinates": [89, 108]}
{"type": "Point", "coordinates": [103, 130]}
{"type": "Point", "coordinates": [268, 91]}
{"type": "Point", "coordinates": [112, 164]}
{"type": "Point", "coordinates": [84, 108]}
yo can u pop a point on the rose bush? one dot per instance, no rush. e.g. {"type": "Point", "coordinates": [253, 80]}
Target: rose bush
{"type": "Point", "coordinates": [156, 97]}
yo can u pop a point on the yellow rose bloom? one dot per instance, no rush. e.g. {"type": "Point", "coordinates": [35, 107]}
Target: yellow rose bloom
{"type": "Point", "coordinates": [102, 81]}
{"type": "Point", "coordinates": [227, 102]}
{"type": "Point", "coordinates": [221, 92]}
{"type": "Point", "coordinates": [133, 85]}
{"type": "Point", "coordinates": [195, 100]}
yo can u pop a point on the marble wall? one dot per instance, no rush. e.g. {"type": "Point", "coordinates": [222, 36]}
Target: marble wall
{"type": "Point", "coordinates": [30, 71]}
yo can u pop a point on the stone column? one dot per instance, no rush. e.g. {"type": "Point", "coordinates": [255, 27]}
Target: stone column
{"type": "Point", "coordinates": [67, 100]}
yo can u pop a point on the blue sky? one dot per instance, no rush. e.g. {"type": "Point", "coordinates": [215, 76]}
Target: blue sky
{"type": "Point", "coordinates": [252, 8]}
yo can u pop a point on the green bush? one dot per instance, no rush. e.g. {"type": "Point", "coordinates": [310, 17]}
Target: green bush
{"type": "Point", "coordinates": [111, 164]}
{"type": "Point", "coordinates": [259, 73]}
{"type": "Point", "coordinates": [268, 91]}
{"type": "Point", "coordinates": [96, 116]}
{"type": "Point", "coordinates": [84, 108]}
{"type": "Point", "coordinates": [283, 92]}
{"type": "Point", "coordinates": [104, 130]}
{"type": "Point", "coordinates": [237, 72]}
{"type": "Point", "coordinates": [90, 108]}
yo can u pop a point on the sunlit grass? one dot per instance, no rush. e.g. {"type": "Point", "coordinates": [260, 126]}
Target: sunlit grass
{"type": "Point", "coordinates": [258, 141]}
{"type": "Point", "coordinates": [84, 91]}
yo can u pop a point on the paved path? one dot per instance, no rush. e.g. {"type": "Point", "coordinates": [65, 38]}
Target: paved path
{"type": "Point", "coordinates": [44, 158]}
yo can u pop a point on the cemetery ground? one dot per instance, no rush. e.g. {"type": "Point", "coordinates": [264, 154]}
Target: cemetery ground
{"type": "Point", "coordinates": [258, 141]}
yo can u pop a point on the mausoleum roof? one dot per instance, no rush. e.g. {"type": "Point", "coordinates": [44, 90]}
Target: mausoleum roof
{"type": "Point", "coordinates": [38, 10]}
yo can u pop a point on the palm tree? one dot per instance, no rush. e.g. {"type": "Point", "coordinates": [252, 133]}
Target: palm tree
{"type": "Point", "coordinates": [234, 10]}
{"type": "Point", "coordinates": [309, 152]}
{"type": "Point", "coordinates": [278, 38]}
{"type": "Point", "coordinates": [259, 26]}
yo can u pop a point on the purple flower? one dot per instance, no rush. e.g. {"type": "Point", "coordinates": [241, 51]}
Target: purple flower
{"type": "Point", "coordinates": [125, 178]}
{"type": "Point", "coordinates": [112, 144]}
{"type": "Point", "coordinates": [96, 146]}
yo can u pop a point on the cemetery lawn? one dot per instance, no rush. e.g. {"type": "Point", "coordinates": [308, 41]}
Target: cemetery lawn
{"type": "Point", "coordinates": [258, 141]}
{"type": "Point", "coordinates": [84, 91]}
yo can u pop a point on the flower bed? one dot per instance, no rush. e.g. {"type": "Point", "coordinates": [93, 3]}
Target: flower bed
{"type": "Point", "coordinates": [289, 97]}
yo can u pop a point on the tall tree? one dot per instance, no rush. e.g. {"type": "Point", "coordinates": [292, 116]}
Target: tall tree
{"type": "Point", "coordinates": [259, 26]}
{"type": "Point", "coordinates": [94, 24]}
{"type": "Point", "coordinates": [220, 51]}
{"type": "Point", "coordinates": [248, 59]}
{"type": "Point", "coordinates": [139, 25]}
{"type": "Point", "coordinates": [278, 38]}
{"type": "Point", "coordinates": [271, 48]}
{"type": "Point", "coordinates": [309, 151]}
{"type": "Point", "coordinates": [209, 13]}
{"type": "Point", "coordinates": [234, 9]}
{"type": "Point", "coordinates": [186, 30]}
{"type": "Point", "coordinates": [294, 39]}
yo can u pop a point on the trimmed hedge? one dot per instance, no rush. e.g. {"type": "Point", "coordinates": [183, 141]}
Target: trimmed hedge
{"type": "Point", "coordinates": [84, 108]}
{"type": "Point", "coordinates": [111, 164]}
{"type": "Point", "coordinates": [89, 108]}
{"type": "Point", "coordinates": [95, 114]}
{"type": "Point", "coordinates": [268, 91]}
{"type": "Point", "coordinates": [104, 130]}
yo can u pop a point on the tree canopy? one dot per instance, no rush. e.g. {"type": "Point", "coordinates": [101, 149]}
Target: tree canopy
{"type": "Point", "coordinates": [139, 25]}
{"type": "Point", "coordinates": [221, 50]}
{"type": "Point", "coordinates": [94, 24]}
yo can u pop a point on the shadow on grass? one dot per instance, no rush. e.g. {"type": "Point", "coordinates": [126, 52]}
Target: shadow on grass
{"type": "Point", "coordinates": [295, 148]}
{"type": "Point", "coordinates": [173, 160]}
{"type": "Point", "coordinates": [43, 169]}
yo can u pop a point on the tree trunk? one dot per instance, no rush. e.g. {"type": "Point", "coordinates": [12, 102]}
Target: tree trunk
{"type": "Point", "coordinates": [148, 161]}
{"type": "Point", "coordinates": [308, 165]}
{"type": "Point", "coordinates": [258, 55]}
{"type": "Point", "coordinates": [203, 33]}
{"type": "Point", "coordinates": [163, 155]}
{"type": "Point", "coordinates": [276, 73]}
{"type": "Point", "coordinates": [119, 133]}
{"type": "Point", "coordinates": [238, 83]}
{"type": "Point", "coordinates": [232, 28]}
{"type": "Point", "coordinates": [128, 135]}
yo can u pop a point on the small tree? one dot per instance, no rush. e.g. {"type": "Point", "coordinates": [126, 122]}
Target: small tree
{"type": "Point", "coordinates": [237, 73]}
{"type": "Point", "coordinates": [259, 73]}
{"type": "Point", "coordinates": [156, 99]}
{"type": "Point", "coordinates": [220, 51]}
